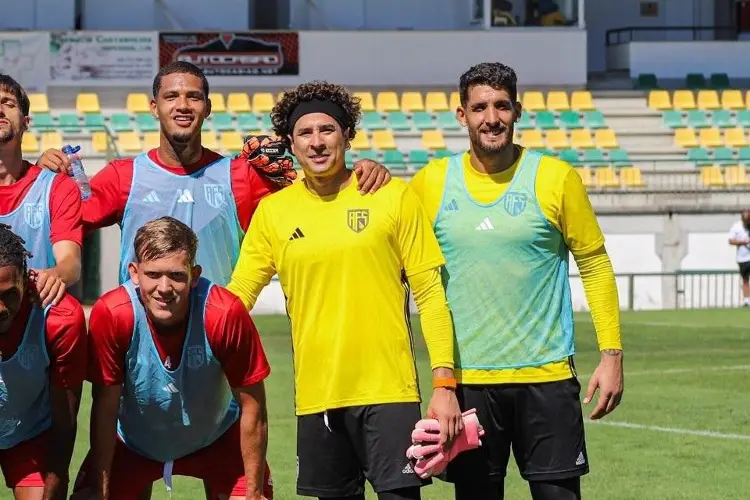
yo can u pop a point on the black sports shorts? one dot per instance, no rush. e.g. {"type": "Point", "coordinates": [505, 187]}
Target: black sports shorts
{"type": "Point", "coordinates": [745, 271]}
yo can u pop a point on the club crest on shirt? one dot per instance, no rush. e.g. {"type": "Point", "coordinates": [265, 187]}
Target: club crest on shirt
{"type": "Point", "coordinates": [214, 194]}
{"type": "Point", "coordinates": [358, 219]}
{"type": "Point", "coordinates": [33, 214]}
{"type": "Point", "coordinates": [196, 356]}
{"type": "Point", "coordinates": [28, 356]}
{"type": "Point", "coordinates": [515, 203]}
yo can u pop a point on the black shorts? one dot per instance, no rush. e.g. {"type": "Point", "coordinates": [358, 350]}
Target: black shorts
{"type": "Point", "coordinates": [542, 423]}
{"type": "Point", "coordinates": [357, 443]}
{"type": "Point", "coordinates": [745, 271]}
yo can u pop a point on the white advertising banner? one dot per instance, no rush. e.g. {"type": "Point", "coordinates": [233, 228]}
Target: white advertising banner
{"type": "Point", "coordinates": [25, 57]}
{"type": "Point", "coordinates": [103, 58]}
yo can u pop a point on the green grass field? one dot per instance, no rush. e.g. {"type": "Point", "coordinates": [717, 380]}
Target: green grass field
{"type": "Point", "coordinates": [681, 432]}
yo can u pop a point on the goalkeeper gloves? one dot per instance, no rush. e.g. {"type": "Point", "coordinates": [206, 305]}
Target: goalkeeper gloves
{"type": "Point", "coordinates": [267, 157]}
{"type": "Point", "coordinates": [430, 459]}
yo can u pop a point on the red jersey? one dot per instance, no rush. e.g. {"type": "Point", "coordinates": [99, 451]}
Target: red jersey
{"type": "Point", "coordinates": [229, 329]}
{"type": "Point", "coordinates": [110, 188]}
{"type": "Point", "coordinates": [64, 204]}
{"type": "Point", "coordinates": [66, 340]}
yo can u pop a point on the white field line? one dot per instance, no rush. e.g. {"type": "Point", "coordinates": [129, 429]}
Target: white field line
{"type": "Point", "coordinates": [671, 430]}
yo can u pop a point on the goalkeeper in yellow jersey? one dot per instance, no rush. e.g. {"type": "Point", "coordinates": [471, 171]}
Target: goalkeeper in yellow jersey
{"type": "Point", "coordinates": [346, 264]}
{"type": "Point", "coordinates": [507, 220]}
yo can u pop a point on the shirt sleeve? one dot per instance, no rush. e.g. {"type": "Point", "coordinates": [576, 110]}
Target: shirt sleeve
{"type": "Point", "coordinates": [248, 189]}
{"type": "Point", "coordinates": [67, 344]}
{"type": "Point", "coordinates": [236, 344]}
{"type": "Point", "coordinates": [600, 287]}
{"type": "Point", "coordinates": [65, 211]}
{"type": "Point", "coordinates": [256, 265]}
{"type": "Point", "coordinates": [107, 347]}
{"type": "Point", "coordinates": [434, 316]}
{"type": "Point", "coordinates": [576, 217]}
{"type": "Point", "coordinates": [417, 243]}
{"type": "Point", "coordinates": [106, 205]}
{"type": "Point", "coordinates": [736, 233]}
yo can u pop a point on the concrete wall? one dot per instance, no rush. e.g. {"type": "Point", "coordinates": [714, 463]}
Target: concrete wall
{"type": "Point", "coordinates": [166, 15]}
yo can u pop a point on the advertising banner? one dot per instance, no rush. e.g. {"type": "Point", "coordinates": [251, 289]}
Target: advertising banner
{"type": "Point", "coordinates": [103, 58]}
{"type": "Point", "coordinates": [233, 54]}
{"type": "Point", "coordinates": [25, 57]}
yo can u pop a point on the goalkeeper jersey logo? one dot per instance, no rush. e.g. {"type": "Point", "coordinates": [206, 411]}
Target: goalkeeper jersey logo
{"type": "Point", "coordinates": [358, 219]}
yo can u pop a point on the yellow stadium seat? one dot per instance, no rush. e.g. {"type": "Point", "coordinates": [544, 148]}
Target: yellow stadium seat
{"type": "Point", "coordinates": [238, 102]}
{"type": "Point", "coordinates": [631, 177]}
{"type": "Point", "coordinates": [231, 141]}
{"type": "Point", "coordinates": [532, 139]}
{"type": "Point", "coordinates": [659, 100]}
{"type": "Point", "coordinates": [29, 143]}
{"type": "Point", "coordinates": [151, 140]}
{"type": "Point", "coordinates": [581, 139]}
{"type": "Point", "coordinates": [557, 139]}
{"type": "Point", "coordinates": [605, 138]}
{"type": "Point", "coordinates": [433, 139]}
{"type": "Point", "coordinates": [366, 102]}
{"type": "Point", "coordinates": [557, 100]}
{"type": "Point", "coordinates": [360, 141]}
{"type": "Point", "coordinates": [735, 137]}
{"type": "Point", "coordinates": [747, 100]}
{"type": "Point", "coordinates": [436, 101]}
{"type": "Point", "coordinates": [580, 100]}
{"type": "Point", "coordinates": [138, 103]}
{"type": "Point", "coordinates": [710, 138]}
{"type": "Point", "coordinates": [683, 99]}
{"type": "Point", "coordinates": [51, 140]}
{"type": "Point", "coordinates": [99, 142]}
{"type": "Point", "coordinates": [732, 99]}
{"type": "Point", "coordinates": [708, 99]}
{"type": "Point", "coordinates": [712, 176]}
{"type": "Point", "coordinates": [411, 101]}
{"type": "Point", "coordinates": [387, 101]}
{"type": "Point", "coordinates": [262, 102]}
{"type": "Point", "coordinates": [533, 101]}
{"type": "Point", "coordinates": [606, 177]}
{"type": "Point", "coordinates": [88, 102]}
{"type": "Point", "coordinates": [585, 174]}
{"type": "Point", "coordinates": [455, 100]}
{"type": "Point", "coordinates": [685, 138]}
{"type": "Point", "coordinates": [129, 142]}
{"type": "Point", "coordinates": [39, 103]}
{"type": "Point", "coordinates": [383, 139]}
{"type": "Point", "coordinates": [736, 175]}
{"type": "Point", "coordinates": [218, 104]}
{"type": "Point", "coordinates": [209, 139]}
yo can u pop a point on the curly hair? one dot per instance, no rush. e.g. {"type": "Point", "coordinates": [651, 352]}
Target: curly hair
{"type": "Point", "coordinates": [320, 90]}
{"type": "Point", "coordinates": [12, 250]}
{"type": "Point", "coordinates": [496, 75]}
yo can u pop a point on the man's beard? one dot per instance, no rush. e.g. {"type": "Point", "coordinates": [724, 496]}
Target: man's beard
{"type": "Point", "coordinates": [476, 141]}
{"type": "Point", "coordinates": [182, 137]}
{"type": "Point", "coordinates": [7, 135]}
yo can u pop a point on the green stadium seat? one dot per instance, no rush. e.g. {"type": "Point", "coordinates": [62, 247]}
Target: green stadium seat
{"type": "Point", "coordinates": [594, 157]}
{"type": "Point", "coordinates": [545, 120]}
{"type": "Point", "coordinates": [423, 120]}
{"type": "Point", "coordinates": [69, 122]}
{"type": "Point", "coordinates": [247, 122]}
{"type": "Point", "coordinates": [646, 81]}
{"type": "Point", "coordinates": [697, 118]}
{"type": "Point", "coordinates": [525, 123]}
{"type": "Point", "coordinates": [720, 81]}
{"type": "Point", "coordinates": [265, 122]}
{"type": "Point", "coordinates": [42, 121]}
{"type": "Point", "coordinates": [398, 121]}
{"type": "Point", "coordinates": [570, 120]}
{"type": "Point", "coordinates": [222, 122]}
{"type": "Point", "coordinates": [447, 121]}
{"type": "Point", "coordinates": [442, 153]}
{"type": "Point", "coordinates": [744, 155]}
{"type": "Point", "coordinates": [120, 122]}
{"type": "Point", "coordinates": [699, 156]}
{"type": "Point", "coordinates": [372, 120]}
{"type": "Point", "coordinates": [367, 154]}
{"type": "Point", "coordinates": [743, 118]}
{"type": "Point", "coordinates": [146, 122]}
{"type": "Point", "coordinates": [594, 120]}
{"type": "Point", "coordinates": [569, 155]}
{"type": "Point", "coordinates": [349, 157]}
{"type": "Point", "coordinates": [722, 118]}
{"type": "Point", "coordinates": [418, 157]}
{"type": "Point", "coordinates": [545, 152]}
{"type": "Point", "coordinates": [723, 155]}
{"type": "Point", "coordinates": [695, 81]}
{"type": "Point", "coordinates": [93, 121]}
{"type": "Point", "coordinates": [673, 119]}
{"type": "Point", "coordinates": [394, 159]}
{"type": "Point", "coordinates": [619, 158]}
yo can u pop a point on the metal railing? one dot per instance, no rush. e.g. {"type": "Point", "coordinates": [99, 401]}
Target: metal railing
{"type": "Point", "coordinates": [672, 33]}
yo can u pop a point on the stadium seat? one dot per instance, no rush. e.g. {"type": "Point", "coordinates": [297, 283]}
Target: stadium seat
{"type": "Point", "coordinates": [619, 158]}
{"type": "Point", "coordinates": [735, 137]}
{"type": "Point", "coordinates": [683, 99]}
{"type": "Point", "coordinates": [708, 99]}
{"type": "Point", "coordinates": [99, 142]}
{"type": "Point", "coordinates": [433, 139]}
{"type": "Point", "coordinates": [398, 121]}
{"type": "Point", "coordinates": [646, 81]}
{"type": "Point", "coordinates": [605, 138]}
{"type": "Point", "coordinates": [265, 123]}
{"type": "Point", "coordinates": [532, 139]}
{"type": "Point", "coordinates": [138, 103]}
{"type": "Point", "coordinates": [695, 81]}
{"type": "Point", "coordinates": [423, 120]}
{"type": "Point", "coordinates": [238, 102]}
{"type": "Point", "coordinates": [69, 122]}
{"type": "Point", "coordinates": [594, 158]}
{"type": "Point", "coordinates": [387, 101]}
{"type": "Point", "coordinates": [606, 177]}
{"type": "Point", "coordinates": [570, 120]}
{"type": "Point", "coordinates": [581, 139]}
{"type": "Point", "coordinates": [129, 142]}
{"type": "Point", "coordinates": [699, 156]}
{"type": "Point", "coordinates": [659, 100]}
{"type": "Point", "coordinates": [231, 142]}
{"type": "Point", "coordinates": [533, 101]}
{"type": "Point", "coordinates": [719, 81]}
{"type": "Point", "coordinates": [673, 119]}
{"type": "Point", "coordinates": [722, 118]}
{"type": "Point", "coordinates": [557, 100]}
{"type": "Point", "coordinates": [525, 122]}
{"type": "Point", "coordinates": [685, 138]}
{"type": "Point", "coordinates": [29, 143]}
{"type": "Point", "coordinates": [262, 102]}
{"type": "Point", "coordinates": [557, 139]}
{"type": "Point", "coordinates": [38, 103]}
{"type": "Point", "coordinates": [218, 104]}
{"type": "Point", "coordinates": [454, 101]}
{"type": "Point", "coordinates": [631, 177]}
{"type": "Point", "coordinates": [585, 174]}
{"type": "Point", "coordinates": [222, 122]}
{"type": "Point", "coordinates": [42, 121]}
{"type": "Point", "coordinates": [247, 122]}
{"type": "Point", "coordinates": [368, 154]}
{"type": "Point", "coordinates": [87, 102]}
{"type": "Point", "coordinates": [383, 139]}
{"type": "Point", "coordinates": [366, 101]}
{"type": "Point", "coordinates": [93, 121]}
{"type": "Point", "coordinates": [732, 99]}
{"type": "Point", "coordinates": [743, 118]}
{"type": "Point", "coordinates": [146, 122]}
{"type": "Point", "coordinates": [436, 102]}
{"type": "Point", "coordinates": [360, 141]}
{"type": "Point", "coordinates": [545, 120]}
{"type": "Point", "coordinates": [569, 155]}
{"type": "Point", "coordinates": [411, 102]}
{"type": "Point", "coordinates": [736, 175]}
{"type": "Point", "coordinates": [711, 176]}
{"type": "Point", "coordinates": [209, 139]}
{"type": "Point", "coordinates": [151, 140]}
{"type": "Point", "coordinates": [394, 159]}
{"type": "Point", "coordinates": [581, 100]}
{"type": "Point", "coordinates": [710, 138]}
{"type": "Point", "coordinates": [418, 157]}
{"type": "Point", "coordinates": [594, 120]}
{"type": "Point", "coordinates": [697, 118]}
{"type": "Point", "coordinates": [723, 155]}
{"type": "Point", "coordinates": [372, 120]}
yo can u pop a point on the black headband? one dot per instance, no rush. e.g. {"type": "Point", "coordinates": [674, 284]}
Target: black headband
{"type": "Point", "coordinates": [317, 106]}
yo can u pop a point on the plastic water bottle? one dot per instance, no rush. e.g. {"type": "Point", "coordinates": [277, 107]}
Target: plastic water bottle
{"type": "Point", "coordinates": [77, 170]}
